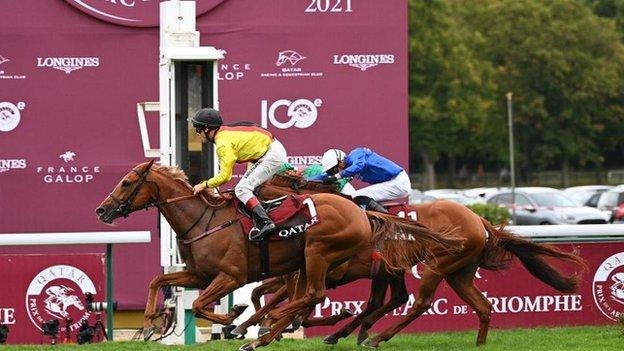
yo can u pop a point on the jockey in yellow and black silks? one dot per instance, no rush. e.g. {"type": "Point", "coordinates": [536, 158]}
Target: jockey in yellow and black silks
{"type": "Point", "coordinates": [238, 143]}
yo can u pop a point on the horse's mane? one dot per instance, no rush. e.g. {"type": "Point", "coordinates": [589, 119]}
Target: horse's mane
{"type": "Point", "coordinates": [174, 172]}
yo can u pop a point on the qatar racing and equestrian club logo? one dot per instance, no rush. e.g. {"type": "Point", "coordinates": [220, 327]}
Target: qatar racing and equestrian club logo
{"type": "Point", "coordinates": [608, 287]}
{"type": "Point", "coordinates": [58, 292]}
{"type": "Point", "coordinates": [288, 56]}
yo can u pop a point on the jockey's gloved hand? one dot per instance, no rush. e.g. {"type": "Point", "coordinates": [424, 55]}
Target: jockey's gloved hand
{"type": "Point", "coordinates": [330, 180]}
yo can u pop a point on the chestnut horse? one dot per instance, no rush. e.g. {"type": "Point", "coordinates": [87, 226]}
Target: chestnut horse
{"type": "Point", "coordinates": [484, 246]}
{"type": "Point", "coordinates": [220, 259]}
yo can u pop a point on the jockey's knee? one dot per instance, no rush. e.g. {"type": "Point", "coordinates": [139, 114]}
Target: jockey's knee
{"type": "Point", "coordinates": [243, 192]}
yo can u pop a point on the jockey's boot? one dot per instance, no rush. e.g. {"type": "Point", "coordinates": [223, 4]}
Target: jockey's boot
{"type": "Point", "coordinates": [263, 224]}
{"type": "Point", "coordinates": [376, 206]}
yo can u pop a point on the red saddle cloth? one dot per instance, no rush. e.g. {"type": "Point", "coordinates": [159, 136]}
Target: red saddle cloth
{"type": "Point", "coordinates": [402, 210]}
{"type": "Point", "coordinates": [292, 217]}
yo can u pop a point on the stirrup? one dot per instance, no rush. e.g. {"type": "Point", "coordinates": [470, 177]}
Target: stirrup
{"type": "Point", "coordinates": [253, 234]}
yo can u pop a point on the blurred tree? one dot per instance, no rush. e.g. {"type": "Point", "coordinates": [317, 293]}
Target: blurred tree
{"type": "Point", "coordinates": [565, 67]}
{"type": "Point", "coordinates": [450, 89]}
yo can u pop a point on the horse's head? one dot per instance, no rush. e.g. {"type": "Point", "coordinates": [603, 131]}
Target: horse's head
{"type": "Point", "coordinates": [128, 196]}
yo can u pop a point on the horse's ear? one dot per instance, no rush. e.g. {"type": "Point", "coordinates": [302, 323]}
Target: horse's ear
{"type": "Point", "coordinates": [149, 165]}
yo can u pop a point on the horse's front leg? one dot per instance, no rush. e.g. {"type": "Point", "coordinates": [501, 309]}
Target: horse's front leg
{"type": "Point", "coordinates": [182, 278]}
{"type": "Point", "coordinates": [278, 297]}
{"type": "Point", "coordinates": [220, 286]}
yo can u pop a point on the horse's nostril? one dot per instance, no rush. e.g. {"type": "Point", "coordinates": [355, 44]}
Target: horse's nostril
{"type": "Point", "coordinates": [100, 211]}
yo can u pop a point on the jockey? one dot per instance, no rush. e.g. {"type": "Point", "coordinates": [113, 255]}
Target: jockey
{"type": "Point", "coordinates": [388, 180]}
{"type": "Point", "coordinates": [237, 143]}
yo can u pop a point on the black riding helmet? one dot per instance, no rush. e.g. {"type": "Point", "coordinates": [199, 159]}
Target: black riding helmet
{"type": "Point", "coordinates": [207, 118]}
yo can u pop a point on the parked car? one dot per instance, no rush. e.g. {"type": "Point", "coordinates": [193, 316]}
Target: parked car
{"type": "Point", "coordinates": [417, 197]}
{"type": "Point", "coordinates": [612, 203]}
{"type": "Point", "coordinates": [459, 198]}
{"type": "Point", "coordinates": [539, 205]}
{"type": "Point", "coordinates": [481, 193]}
{"type": "Point", "coordinates": [587, 195]}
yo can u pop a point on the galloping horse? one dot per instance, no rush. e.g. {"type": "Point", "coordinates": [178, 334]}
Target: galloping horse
{"type": "Point", "coordinates": [220, 259]}
{"type": "Point", "coordinates": [484, 246]}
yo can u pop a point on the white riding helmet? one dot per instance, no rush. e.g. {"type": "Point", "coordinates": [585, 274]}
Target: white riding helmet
{"type": "Point", "coordinates": [330, 158]}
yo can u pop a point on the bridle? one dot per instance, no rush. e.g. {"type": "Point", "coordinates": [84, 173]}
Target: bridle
{"type": "Point", "coordinates": [124, 208]}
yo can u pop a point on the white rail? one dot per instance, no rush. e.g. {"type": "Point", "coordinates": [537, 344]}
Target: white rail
{"type": "Point", "coordinates": [571, 233]}
{"type": "Point", "coordinates": [13, 239]}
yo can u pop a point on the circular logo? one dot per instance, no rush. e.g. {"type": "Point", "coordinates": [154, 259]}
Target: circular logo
{"type": "Point", "coordinates": [132, 13]}
{"type": "Point", "coordinates": [9, 116]}
{"type": "Point", "coordinates": [608, 286]}
{"type": "Point", "coordinates": [58, 292]}
{"type": "Point", "coordinates": [302, 113]}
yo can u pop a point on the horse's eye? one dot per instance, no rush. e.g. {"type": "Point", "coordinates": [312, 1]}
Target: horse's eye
{"type": "Point", "coordinates": [125, 184]}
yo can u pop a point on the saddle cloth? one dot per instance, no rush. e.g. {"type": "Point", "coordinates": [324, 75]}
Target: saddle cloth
{"type": "Point", "coordinates": [402, 210]}
{"type": "Point", "coordinates": [292, 215]}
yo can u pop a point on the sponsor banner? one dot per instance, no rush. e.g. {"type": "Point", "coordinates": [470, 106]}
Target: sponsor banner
{"type": "Point", "coordinates": [77, 132]}
{"type": "Point", "coordinates": [518, 299]}
{"type": "Point", "coordinates": [49, 287]}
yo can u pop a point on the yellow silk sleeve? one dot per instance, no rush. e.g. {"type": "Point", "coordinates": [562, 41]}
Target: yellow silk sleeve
{"type": "Point", "coordinates": [227, 160]}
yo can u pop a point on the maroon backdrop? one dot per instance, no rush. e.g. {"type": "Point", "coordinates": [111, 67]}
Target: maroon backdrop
{"type": "Point", "coordinates": [71, 75]}
{"type": "Point", "coordinates": [518, 298]}
{"type": "Point", "coordinates": [47, 287]}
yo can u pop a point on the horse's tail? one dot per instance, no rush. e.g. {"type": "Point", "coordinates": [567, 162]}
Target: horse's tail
{"type": "Point", "coordinates": [404, 242]}
{"type": "Point", "coordinates": [502, 243]}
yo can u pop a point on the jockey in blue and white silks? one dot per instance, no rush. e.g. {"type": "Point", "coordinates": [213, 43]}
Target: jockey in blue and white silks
{"type": "Point", "coordinates": [388, 180]}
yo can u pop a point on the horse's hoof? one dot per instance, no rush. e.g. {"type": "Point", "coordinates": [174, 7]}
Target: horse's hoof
{"type": "Point", "coordinates": [263, 331]}
{"type": "Point", "coordinates": [148, 333]}
{"type": "Point", "coordinates": [370, 344]}
{"type": "Point", "coordinates": [239, 308]}
{"type": "Point", "coordinates": [278, 337]}
{"type": "Point", "coordinates": [227, 332]}
{"type": "Point", "coordinates": [362, 336]}
{"type": "Point", "coordinates": [239, 331]}
{"type": "Point", "coordinates": [347, 312]}
{"type": "Point", "coordinates": [246, 347]}
{"type": "Point", "coordinates": [330, 340]}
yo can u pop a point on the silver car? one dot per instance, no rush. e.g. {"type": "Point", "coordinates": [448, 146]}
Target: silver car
{"type": "Point", "coordinates": [538, 205]}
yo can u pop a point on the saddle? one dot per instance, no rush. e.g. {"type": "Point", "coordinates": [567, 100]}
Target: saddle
{"type": "Point", "coordinates": [292, 215]}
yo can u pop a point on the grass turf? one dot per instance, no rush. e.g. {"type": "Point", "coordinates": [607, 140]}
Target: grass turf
{"type": "Point", "coordinates": [547, 339]}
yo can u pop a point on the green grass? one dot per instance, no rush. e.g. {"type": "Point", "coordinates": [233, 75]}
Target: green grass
{"type": "Point", "coordinates": [547, 339]}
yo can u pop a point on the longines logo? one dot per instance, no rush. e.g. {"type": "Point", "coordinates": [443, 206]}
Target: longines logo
{"type": "Point", "coordinates": [301, 113]}
{"type": "Point", "coordinates": [608, 287]}
{"type": "Point", "coordinates": [68, 172]}
{"type": "Point", "coordinates": [68, 64]}
{"type": "Point", "coordinates": [288, 63]}
{"type": "Point", "coordinates": [363, 62]}
{"type": "Point", "coordinates": [10, 115]}
{"type": "Point", "coordinates": [7, 165]}
{"type": "Point", "coordinates": [57, 292]}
